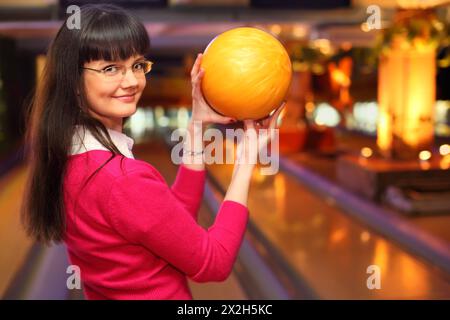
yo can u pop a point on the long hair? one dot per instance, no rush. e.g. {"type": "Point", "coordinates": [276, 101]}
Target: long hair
{"type": "Point", "coordinates": [59, 105]}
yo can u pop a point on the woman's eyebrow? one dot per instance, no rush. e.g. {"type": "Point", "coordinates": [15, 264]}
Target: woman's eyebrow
{"type": "Point", "coordinates": [106, 63]}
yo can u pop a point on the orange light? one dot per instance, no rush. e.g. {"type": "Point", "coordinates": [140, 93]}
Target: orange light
{"type": "Point", "coordinates": [406, 97]}
{"type": "Point", "coordinates": [444, 149]}
{"type": "Point", "coordinates": [340, 77]}
{"type": "Point", "coordinates": [366, 152]}
{"type": "Point", "coordinates": [424, 155]}
{"type": "Point", "coordinates": [365, 236]}
{"type": "Point", "coordinates": [365, 27]}
{"type": "Point", "coordinates": [299, 31]}
{"type": "Point", "coordinates": [275, 29]}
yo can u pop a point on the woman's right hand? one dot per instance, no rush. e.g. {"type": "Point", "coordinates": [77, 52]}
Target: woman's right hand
{"type": "Point", "coordinates": [201, 110]}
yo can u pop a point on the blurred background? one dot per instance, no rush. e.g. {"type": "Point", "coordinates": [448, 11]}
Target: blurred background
{"type": "Point", "coordinates": [363, 189]}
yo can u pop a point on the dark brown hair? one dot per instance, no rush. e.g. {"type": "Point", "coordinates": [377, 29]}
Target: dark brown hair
{"type": "Point", "coordinates": [59, 104]}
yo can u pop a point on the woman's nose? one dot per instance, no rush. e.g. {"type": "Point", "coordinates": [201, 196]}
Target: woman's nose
{"type": "Point", "coordinates": [129, 79]}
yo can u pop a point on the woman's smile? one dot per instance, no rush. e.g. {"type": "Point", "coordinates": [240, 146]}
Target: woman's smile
{"type": "Point", "coordinates": [126, 98]}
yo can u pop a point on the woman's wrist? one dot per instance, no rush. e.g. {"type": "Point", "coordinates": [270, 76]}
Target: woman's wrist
{"type": "Point", "coordinates": [243, 169]}
{"type": "Point", "coordinates": [193, 146]}
{"type": "Point", "coordinates": [240, 183]}
{"type": "Point", "coordinates": [194, 137]}
{"type": "Point", "coordinates": [197, 122]}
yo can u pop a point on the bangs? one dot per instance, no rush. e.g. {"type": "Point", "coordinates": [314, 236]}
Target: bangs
{"type": "Point", "coordinates": [112, 35]}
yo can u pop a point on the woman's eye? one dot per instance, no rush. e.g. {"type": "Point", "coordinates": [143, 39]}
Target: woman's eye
{"type": "Point", "coordinates": [111, 70]}
{"type": "Point", "coordinates": [138, 66]}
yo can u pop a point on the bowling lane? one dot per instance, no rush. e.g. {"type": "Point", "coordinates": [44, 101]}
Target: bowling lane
{"type": "Point", "coordinates": [325, 166]}
{"type": "Point", "coordinates": [328, 249]}
{"type": "Point", "coordinates": [316, 238]}
{"type": "Point", "coordinates": [14, 243]}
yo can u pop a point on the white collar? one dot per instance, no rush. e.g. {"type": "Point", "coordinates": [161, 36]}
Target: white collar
{"type": "Point", "coordinates": [80, 145]}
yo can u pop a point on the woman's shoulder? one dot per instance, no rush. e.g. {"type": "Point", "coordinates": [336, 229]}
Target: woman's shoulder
{"type": "Point", "coordinates": [114, 167]}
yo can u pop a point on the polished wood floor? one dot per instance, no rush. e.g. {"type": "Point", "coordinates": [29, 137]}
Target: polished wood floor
{"type": "Point", "coordinates": [317, 239]}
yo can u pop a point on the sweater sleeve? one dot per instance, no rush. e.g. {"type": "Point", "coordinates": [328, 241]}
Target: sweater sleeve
{"type": "Point", "coordinates": [188, 188]}
{"type": "Point", "coordinates": [145, 211]}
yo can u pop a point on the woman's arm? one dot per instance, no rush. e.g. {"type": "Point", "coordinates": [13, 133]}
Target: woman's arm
{"type": "Point", "coordinates": [248, 149]}
{"type": "Point", "coordinates": [144, 211]}
{"type": "Point", "coordinates": [189, 183]}
{"type": "Point", "coordinates": [240, 183]}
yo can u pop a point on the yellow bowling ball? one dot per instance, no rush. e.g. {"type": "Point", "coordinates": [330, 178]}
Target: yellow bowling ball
{"type": "Point", "coordinates": [247, 73]}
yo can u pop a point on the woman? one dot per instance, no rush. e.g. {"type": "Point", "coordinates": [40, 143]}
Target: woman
{"type": "Point", "coordinates": [131, 235]}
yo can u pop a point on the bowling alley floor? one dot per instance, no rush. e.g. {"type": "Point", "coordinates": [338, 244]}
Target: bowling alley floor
{"type": "Point", "coordinates": [324, 165]}
{"type": "Point", "coordinates": [16, 246]}
{"type": "Point", "coordinates": [328, 249]}
{"type": "Point", "coordinates": [317, 239]}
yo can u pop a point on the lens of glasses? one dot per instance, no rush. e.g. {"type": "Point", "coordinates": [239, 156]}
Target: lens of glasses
{"type": "Point", "coordinates": [117, 73]}
{"type": "Point", "coordinates": [147, 66]}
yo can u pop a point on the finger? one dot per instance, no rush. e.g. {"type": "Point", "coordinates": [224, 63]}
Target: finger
{"type": "Point", "coordinates": [249, 124]}
{"type": "Point", "coordinates": [265, 123]}
{"type": "Point", "coordinates": [280, 108]}
{"type": "Point", "coordinates": [274, 118]}
{"type": "Point", "coordinates": [224, 121]}
{"type": "Point", "coordinates": [198, 78]}
{"type": "Point", "coordinates": [196, 66]}
{"type": "Point", "coordinates": [217, 118]}
{"type": "Point", "coordinates": [197, 87]}
{"type": "Point", "coordinates": [266, 120]}
{"type": "Point", "coordinates": [278, 112]}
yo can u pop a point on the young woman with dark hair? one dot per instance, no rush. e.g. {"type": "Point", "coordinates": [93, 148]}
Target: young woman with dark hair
{"type": "Point", "coordinates": [132, 235]}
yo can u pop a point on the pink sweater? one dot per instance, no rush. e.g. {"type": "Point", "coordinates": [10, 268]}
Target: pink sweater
{"type": "Point", "coordinates": [135, 237]}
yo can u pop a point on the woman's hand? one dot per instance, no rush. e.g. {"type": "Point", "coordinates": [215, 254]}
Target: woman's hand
{"type": "Point", "coordinates": [256, 140]}
{"type": "Point", "coordinates": [201, 111]}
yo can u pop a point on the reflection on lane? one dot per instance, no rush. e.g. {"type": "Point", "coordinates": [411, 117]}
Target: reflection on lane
{"type": "Point", "coordinates": [325, 166]}
{"type": "Point", "coordinates": [328, 249]}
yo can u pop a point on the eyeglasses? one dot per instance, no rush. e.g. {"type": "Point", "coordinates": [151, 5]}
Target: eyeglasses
{"type": "Point", "coordinates": [117, 72]}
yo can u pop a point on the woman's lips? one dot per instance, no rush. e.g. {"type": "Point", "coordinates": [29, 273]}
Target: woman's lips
{"type": "Point", "coordinates": [126, 98]}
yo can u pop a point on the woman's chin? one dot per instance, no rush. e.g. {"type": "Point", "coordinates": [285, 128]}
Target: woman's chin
{"type": "Point", "coordinates": [125, 109]}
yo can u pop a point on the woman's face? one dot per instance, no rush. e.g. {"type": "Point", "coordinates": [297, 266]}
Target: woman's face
{"type": "Point", "coordinates": [111, 98]}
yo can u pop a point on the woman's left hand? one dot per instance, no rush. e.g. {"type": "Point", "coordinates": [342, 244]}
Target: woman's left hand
{"type": "Point", "coordinates": [201, 111]}
{"type": "Point", "coordinates": [254, 140]}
